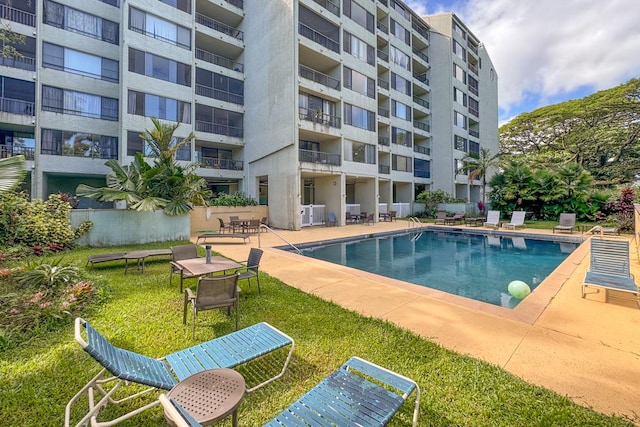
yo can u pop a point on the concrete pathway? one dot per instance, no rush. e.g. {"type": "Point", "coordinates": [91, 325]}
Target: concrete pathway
{"type": "Point", "coordinates": [586, 349]}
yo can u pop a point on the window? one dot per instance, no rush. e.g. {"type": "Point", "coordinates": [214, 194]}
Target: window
{"type": "Point", "coordinates": [359, 49]}
{"type": "Point", "coordinates": [78, 144]}
{"type": "Point", "coordinates": [219, 121]}
{"type": "Point", "coordinates": [400, 110]}
{"type": "Point", "coordinates": [400, 32]}
{"type": "Point", "coordinates": [421, 168]}
{"type": "Point", "coordinates": [158, 67]}
{"type": "Point", "coordinates": [459, 73]}
{"type": "Point", "coordinates": [474, 147]}
{"type": "Point", "coordinates": [319, 110]}
{"type": "Point", "coordinates": [158, 28]}
{"type": "Point", "coordinates": [75, 103]}
{"type": "Point", "coordinates": [458, 29]}
{"type": "Point", "coordinates": [474, 107]}
{"type": "Point", "coordinates": [26, 53]}
{"type": "Point", "coordinates": [359, 83]}
{"type": "Point", "coordinates": [218, 86]}
{"type": "Point", "coordinates": [18, 96]}
{"type": "Point", "coordinates": [70, 19]}
{"type": "Point", "coordinates": [460, 143]}
{"type": "Point", "coordinates": [359, 15]}
{"type": "Point", "coordinates": [401, 163]}
{"type": "Point", "coordinates": [459, 120]}
{"type": "Point", "coordinates": [76, 62]}
{"type": "Point", "coordinates": [359, 117]}
{"type": "Point", "coordinates": [145, 104]}
{"type": "Point", "coordinates": [183, 5]}
{"type": "Point", "coordinates": [459, 51]}
{"type": "Point", "coordinates": [400, 9]}
{"type": "Point", "coordinates": [401, 137]}
{"type": "Point", "coordinates": [400, 84]}
{"type": "Point", "coordinates": [359, 152]}
{"type": "Point", "coordinates": [473, 85]}
{"type": "Point", "coordinates": [459, 96]}
{"type": "Point", "coordinates": [399, 57]}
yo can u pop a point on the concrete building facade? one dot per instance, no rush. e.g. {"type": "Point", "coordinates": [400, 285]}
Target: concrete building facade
{"type": "Point", "coordinates": [309, 106]}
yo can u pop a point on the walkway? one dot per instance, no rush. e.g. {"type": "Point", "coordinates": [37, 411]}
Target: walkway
{"type": "Point", "coordinates": [585, 349]}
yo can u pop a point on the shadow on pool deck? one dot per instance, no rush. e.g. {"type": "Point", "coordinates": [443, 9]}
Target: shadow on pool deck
{"type": "Point", "coordinates": [586, 349]}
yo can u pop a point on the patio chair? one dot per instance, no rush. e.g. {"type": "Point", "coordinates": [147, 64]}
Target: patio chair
{"type": "Point", "coordinates": [517, 220]}
{"type": "Point", "coordinates": [212, 292]}
{"type": "Point", "coordinates": [350, 219]}
{"type": "Point", "coordinates": [358, 393]}
{"type": "Point", "coordinates": [122, 367]}
{"type": "Point", "coordinates": [179, 253]}
{"type": "Point", "coordinates": [441, 217]}
{"type": "Point", "coordinates": [265, 222]}
{"type": "Point", "coordinates": [332, 221]}
{"type": "Point", "coordinates": [369, 219]}
{"type": "Point", "coordinates": [251, 267]}
{"type": "Point", "coordinates": [493, 219]}
{"type": "Point", "coordinates": [393, 216]}
{"type": "Point", "coordinates": [609, 267]}
{"type": "Point", "coordinates": [567, 222]}
{"type": "Point", "coordinates": [456, 219]}
{"type": "Point", "coordinates": [225, 227]}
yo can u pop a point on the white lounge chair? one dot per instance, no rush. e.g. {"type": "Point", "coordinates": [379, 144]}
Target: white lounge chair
{"type": "Point", "coordinates": [517, 220]}
{"type": "Point", "coordinates": [493, 219]}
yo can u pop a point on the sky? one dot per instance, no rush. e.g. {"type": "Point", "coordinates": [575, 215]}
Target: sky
{"type": "Point", "coordinates": [549, 51]}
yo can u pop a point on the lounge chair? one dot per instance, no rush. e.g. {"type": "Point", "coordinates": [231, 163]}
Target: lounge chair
{"type": "Point", "coordinates": [567, 222]}
{"type": "Point", "coordinates": [598, 229]}
{"type": "Point", "coordinates": [493, 219]}
{"type": "Point", "coordinates": [349, 397]}
{"type": "Point", "coordinates": [609, 267]}
{"type": "Point", "coordinates": [122, 367]}
{"type": "Point", "coordinates": [346, 397]}
{"type": "Point", "coordinates": [456, 219]}
{"type": "Point", "coordinates": [517, 220]}
{"type": "Point", "coordinates": [441, 217]}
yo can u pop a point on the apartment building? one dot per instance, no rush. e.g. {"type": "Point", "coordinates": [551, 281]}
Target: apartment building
{"type": "Point", "coordinates": [309, 106]}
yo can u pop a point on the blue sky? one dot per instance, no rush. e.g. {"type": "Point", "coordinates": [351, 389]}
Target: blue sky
{"type": "Point", "coordinates": [549, 51]}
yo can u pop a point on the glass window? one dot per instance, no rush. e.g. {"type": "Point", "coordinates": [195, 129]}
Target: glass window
{"type": "Point", "coordinates": [399, 57]}
{"type": "Point", "coordinates": [359, 48]}
{"type": "Point", "coordinates": [77, 21]}
{"type": "Point", "coordinates": [359, 152]}
{"type": "Point", "coordinates": [400, 84]}
{"type": "Point", "coordinates": [76, 62]}
{"type": "Point", "coordinates": [400, 32]}
{"type": "Point", "coordinates": [460, 143]}
{"type": "Point", "coordinates": [159, 67]}
{"type": "Point", "coordinates": [159, 28]}
{"type": "Point", "coordinates": [401, 163]}
{"type": "Point", "coordinates": [401, 110]}
{"type": "Point", "coordinates": [359, 117]}
{"type": "Point", "coordinates": [359, 15]}
{"type": "Point", "coordinates": [459, 96]}
{"type": "Point", "coordinates": [359, 82]}
{"type": "Point", "coordinates": [459, 120]}
{"type": "Point", "coordinates": [401, 137]}
{"type": "Point", "coordinates": [459, 73]}
{"type": "Point", "coordinates": [459, 51]}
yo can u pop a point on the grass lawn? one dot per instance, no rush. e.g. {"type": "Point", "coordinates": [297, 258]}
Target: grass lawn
{"type": "Point", "coordinates": [144, 314]}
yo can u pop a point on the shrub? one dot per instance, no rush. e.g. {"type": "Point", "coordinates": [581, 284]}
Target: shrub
{"type": "Point", "coordinates": [432, 199]}
{"type": "Point", "coordinates": [237, 199]}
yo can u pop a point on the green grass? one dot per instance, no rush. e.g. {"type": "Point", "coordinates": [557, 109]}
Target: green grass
{"type": "Point", "coordinates": [144, 314]}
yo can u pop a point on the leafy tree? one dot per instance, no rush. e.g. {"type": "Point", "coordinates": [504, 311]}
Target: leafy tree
{"type": "Point", "coordinates": [12, 172]}
{"type": "Point", "coordinates": [164, 185]}
{"type": "Point", "coordinates": [432, 199]}
{"type": "Point", "coordinates": [9, 39]}
{"type": "Point", "coordinates": [477, 166]}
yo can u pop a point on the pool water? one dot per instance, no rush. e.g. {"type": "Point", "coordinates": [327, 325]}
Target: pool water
{"type": "Point", "coordinates": [474, 266]}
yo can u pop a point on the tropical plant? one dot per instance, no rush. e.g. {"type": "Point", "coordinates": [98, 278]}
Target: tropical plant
{"type": "Point", "coordinates": [164, 185]}
{"type": "Point", "coordinates": [12, 172]}
{"type": "Point", "coordinates": [478, 165]}
{"type": "Point", "coordinates": [237, 199]}
{"type": "Point", "coordinates": [431, 200]}
{"type": "Point", "coordinates": [47, 277]}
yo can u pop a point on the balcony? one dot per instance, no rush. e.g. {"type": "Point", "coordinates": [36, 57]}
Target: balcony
{"type": "Point", "coordinates": [330, 6]}
{"type": "Point", "coordinates": [17, 15]}
{"type": "Point", "coordinates": [422, 174]}
{"type": "Point", "coordinates": [474, 133]}
{"type": "Point", "coordinates": [319, 38]}
{"type": "Point", "coordinates": [473, 90]}
{"type": "Point", "coordinates": [220, 95]}
{"type": "Point", "coordinates": [384, 140]}
{"type": "Point", "coordinates": [382, 27]}
{"type": "Point", "coordinates": [422, 78]}
{"type": "Point", "coordinates": [17, 106]}
{"type": "Point", "coordinates": [212, 58]}
{"type": "Point", "coordinates": [318, 77]}
{"type": "Point", "coordinates": [472, 47]}
{"type": "Point", "coordinates": [421, 102]}
{"type": "Point", "coordinates": [216, 163]}
{"type": "Point", "coordinates": [382, 55]}
{"type": "Point", "coordinates": [474, 112]}
{"type": "Point", "coordinates": [219, 26]}
{"type": "Point", "coordinates": [422, 126]}
{"type": "Point", "coordinates": [473, 68]}
{"type": "Point", "coordinates": [22, 62]}
{"type": "Point", "coordinates": [10, 151]}
{"type": "Point", "coordinates": [420, 29]}
{"type": "Point", "coordinates": [311, 115]}
{"type": "Point", "coordinates": [383, 83]}
{"type": "Point", "coordinates": [421, 55]}
{"type": "Point", "coordinates": [422, 150]}
{"type": "Point", "coordinates": [219, 129]}
{"type": "Point", "coordinates": [310, 156]}
{"type": "Point", "coordinates": [383, 112]}
{"type": "Point", "coordinates": [386, 169]}
{"type": "Point", "coordinates": [86, 149]}
{"type": "Point", "coordinates": [237, 3]}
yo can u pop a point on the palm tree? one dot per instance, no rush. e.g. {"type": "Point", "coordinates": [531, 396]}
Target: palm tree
{"type": "Point", "coordinates": [477, 165]}
{"type": "Point", "coordinates": [166, 185]}
{"type": "Point", "coordinates": [12, 172]}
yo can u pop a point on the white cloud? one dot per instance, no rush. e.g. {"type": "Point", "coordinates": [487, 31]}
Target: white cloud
{"type": "Point", "coordinates": [543, 49]}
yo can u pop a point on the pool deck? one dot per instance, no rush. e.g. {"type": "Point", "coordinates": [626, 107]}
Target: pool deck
{"type": "Point", "coordinates": [585, 349]}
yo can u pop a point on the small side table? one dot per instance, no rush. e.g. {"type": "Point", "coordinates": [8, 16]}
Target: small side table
{"type": "Point", "coordinates": [210, 395]}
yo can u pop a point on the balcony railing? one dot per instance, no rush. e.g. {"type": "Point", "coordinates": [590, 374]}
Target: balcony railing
{"type": "Point", "coordinates": [23, 62]}
{"type": "Point", "coordinates": [473, 90]}
{"type": "Point", "coordinates": [318, 77]}
{"type": "Point", "coordinates": [237, 3]}
{"type": "Point", "coordinates": [472, 47]}
{"type": "Point", "coordinates": [383, 112]}
{"type": "Point", "coordinates": [219, 129]}
{"type": "Point", "coordinates": [422, 150]}
{"type": "Point", "coordinates": [212, 58]}
{"type": "Point", "coordinates": [87, 149]}
{"type": "Point", "coordinates": [383, 84]}
{"type": "Point", "coordinates": [423, 126]}
{"type": "Point", "coordinates": [330, 6]}
{"type": "Point", "coordinates": [473, 67]}
{"type": "Point", "coordinates": [10, 151]}
{"type": "Point", "coordinates": [421, 55]}
{"type": "Point", "coordinates": [17, 15]}
{"type": "Point", "coordinates": [474, 112]}
{"type": "Point", "coordinates": [384, 2]}
{"type": "Point", "coordinates": [422, 78]}
{"type": "Point", "coordinates": [382, 55]}
{"type": "Point", "coordinates": [420, 29]}
{"type": "Point", "coordinates": [219, 26]}
{"type": "Point", "coordinates": [474, 133]}
{"type": "Point", "coordinates": [421, 102]}
{"type": "Point", "coordinates": [310, 156]}
{"type": "Point", "coordinates": [218, 94]}
{"type": "Point", "coordinates": [17, 106]}
{"type": "Point", "coordinates": [384, 140]}
{"type": "Point", "coordinates": [386, 169]}
{"type": "Point", "coordinates": [382, 27]}
{"type": "Point", "coordinates": [215, 163]}
{"type": "Point", "coordinates": [319, 38]}
{"type": "Point", "coordinates": [422, 174]}
{"type": "Point", "coordinates": [311, 115]}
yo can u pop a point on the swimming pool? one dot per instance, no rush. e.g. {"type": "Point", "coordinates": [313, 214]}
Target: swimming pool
{"type": "Point", "coordinates": [470, 265]}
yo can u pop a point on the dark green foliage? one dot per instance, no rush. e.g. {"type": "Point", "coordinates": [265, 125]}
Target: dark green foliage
{"type": "Point", "coordinates": [237, 199]}
{"type": "Point", "coordinates": [432, 199]}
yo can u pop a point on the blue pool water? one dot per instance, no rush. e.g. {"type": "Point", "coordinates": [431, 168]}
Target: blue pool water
{"type": "Point", "coordinates": [469, 265]}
